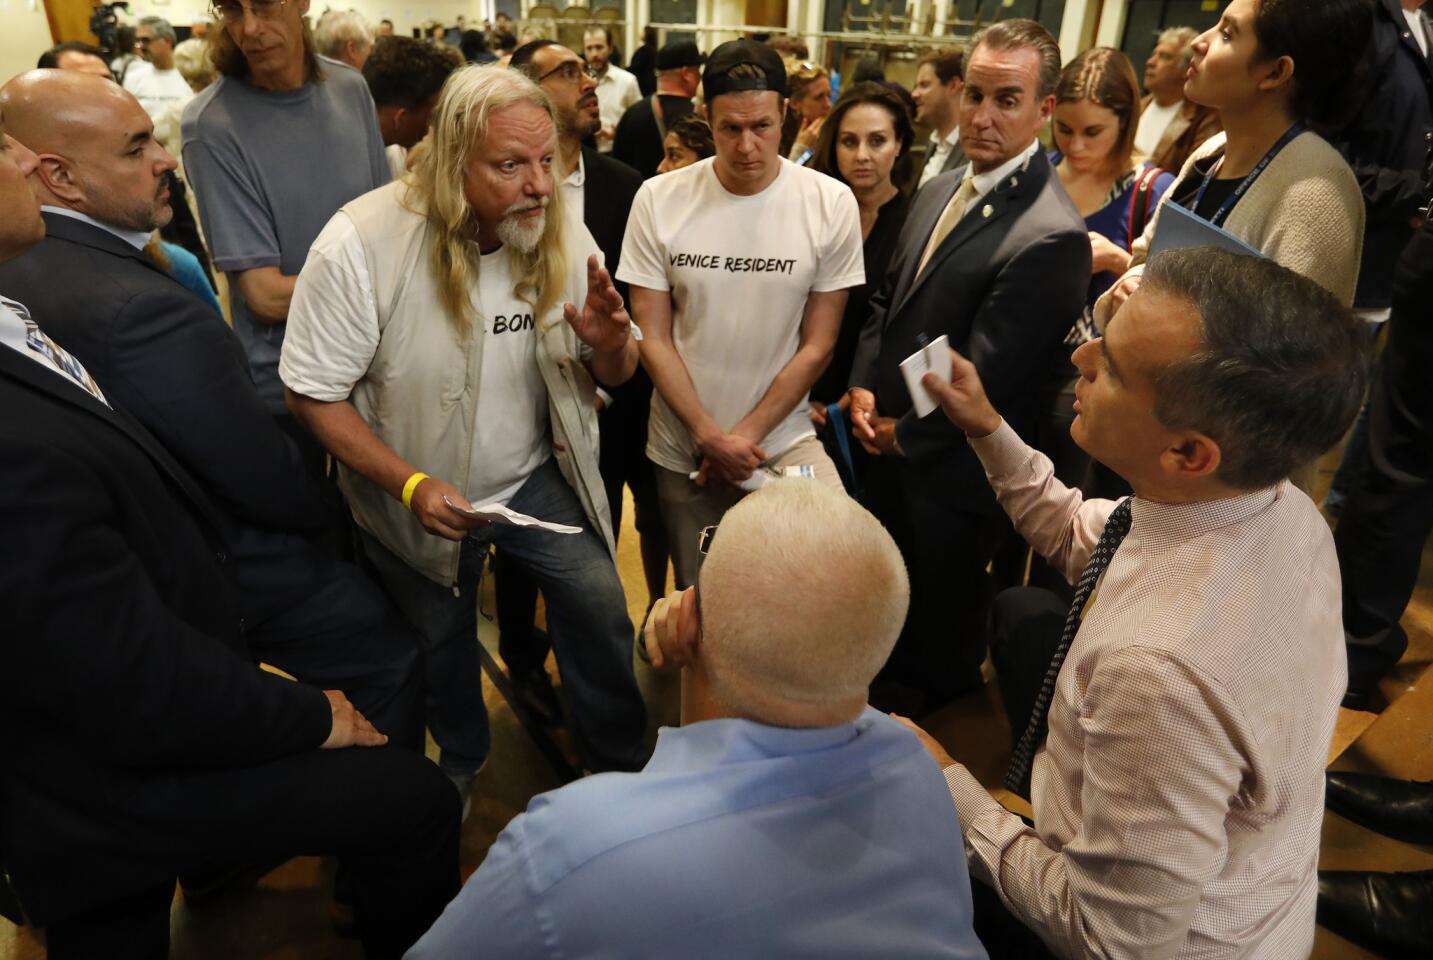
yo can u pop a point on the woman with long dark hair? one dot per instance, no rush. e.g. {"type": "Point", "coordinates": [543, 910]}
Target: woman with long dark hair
{"type": "Point", "coordinates": [1275, 70]}
{"type": "Point", "coordinates": [866, 133]}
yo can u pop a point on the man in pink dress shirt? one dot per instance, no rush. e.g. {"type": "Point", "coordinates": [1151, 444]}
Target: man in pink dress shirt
{"type": "Point", "coordinates": [1191, 696]}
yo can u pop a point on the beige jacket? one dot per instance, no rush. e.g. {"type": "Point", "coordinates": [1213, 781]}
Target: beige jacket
{"type": "Point", "coordinates": [1305, 211]}
{"type": "Point", "coordinates": [420, 393]}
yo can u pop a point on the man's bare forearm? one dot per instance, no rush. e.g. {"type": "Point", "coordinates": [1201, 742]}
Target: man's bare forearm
{"type": "Point", "coordinates": [790, 388]}
{"type": "Point", "coordinates": [673, 381]}
{"type": "Point", "coordinates": [616, 368]}
{"type": "Point", "coordinates": [348, 437]}
{"type": "Point", "coordinates": [267, 292]}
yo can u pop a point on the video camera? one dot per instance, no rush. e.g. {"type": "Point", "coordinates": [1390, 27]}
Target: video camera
{"type": "Point", "coordinates": [104, 24]}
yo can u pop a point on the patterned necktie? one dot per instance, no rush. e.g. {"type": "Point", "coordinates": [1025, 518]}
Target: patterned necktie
{"type": "Point", "coordinates": [953, 212]}
{"type": "Point", "coordinates": [60, 358]}
{"type": "Point", "coordinates": [1115, 529]}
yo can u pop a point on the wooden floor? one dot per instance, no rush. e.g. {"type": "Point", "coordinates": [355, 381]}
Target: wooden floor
{"type": "Point", "coordinates": [285, 916]}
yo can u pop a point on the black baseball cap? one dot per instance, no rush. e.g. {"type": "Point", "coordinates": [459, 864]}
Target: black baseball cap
{"type": "Point", "coordinates": [679, 53]}
{"type": "Point", "coordinates": [716, 78]}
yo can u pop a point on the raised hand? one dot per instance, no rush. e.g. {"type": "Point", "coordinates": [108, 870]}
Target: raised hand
{"type": "Point", "coordinates": [603, 323]}
{"type": "Point", "coordinates": [963, 399]}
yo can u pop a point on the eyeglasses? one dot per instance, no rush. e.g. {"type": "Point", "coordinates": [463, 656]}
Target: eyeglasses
{"type": "Point", "coordinates": [232, 11]}
{"type": "Point", "coordinates": [705, 538]}
{"type": "Point", "coordinates": [571, 70]}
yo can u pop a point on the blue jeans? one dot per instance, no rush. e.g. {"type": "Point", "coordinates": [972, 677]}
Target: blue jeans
{"type": "Point", "coordinates": [586, 619]}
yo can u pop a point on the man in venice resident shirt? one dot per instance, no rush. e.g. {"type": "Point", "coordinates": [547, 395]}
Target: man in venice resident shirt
{"type": "Point", "coordinates": [783, 818]}
{"type": "Point", "coordinates": [1191, 691]}
{"type": "Point", "coordinates": [435, 400]}
{"type": "Point", "coordinates": [739, 267]}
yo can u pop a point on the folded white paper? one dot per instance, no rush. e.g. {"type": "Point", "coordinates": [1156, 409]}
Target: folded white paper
{"type": "Point", "coordinates": [497, 513]}
{"type": "Point", "coordinates": [934, 357]}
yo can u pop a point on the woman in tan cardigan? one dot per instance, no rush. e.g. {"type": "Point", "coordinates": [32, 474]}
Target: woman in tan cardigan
{"type": "Point", "coordinates": [1268, 67]}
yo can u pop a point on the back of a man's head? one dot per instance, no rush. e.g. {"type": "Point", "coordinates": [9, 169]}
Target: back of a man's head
{"type": "Point", "coordinates": [406, 72]}
{"type": "Point", "coordinates": [1280, 373]}
{"type": "Point", "coordinates": [802, 596]}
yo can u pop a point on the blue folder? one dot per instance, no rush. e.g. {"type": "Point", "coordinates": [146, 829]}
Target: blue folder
{"type": "Point", "coordinates": [1180, 228]}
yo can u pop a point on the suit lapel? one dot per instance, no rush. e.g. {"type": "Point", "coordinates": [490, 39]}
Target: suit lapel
{"type": "Point", "coordinates": [917, 232]}
{"type": "Point", "coordinates": [956, 158]}
{"type": "Point", "coordinates": [983, 212]}
{"type": "Point", "coordinates": [60, 389]}
{"type": "Point", "coordinates": [1174, 131]}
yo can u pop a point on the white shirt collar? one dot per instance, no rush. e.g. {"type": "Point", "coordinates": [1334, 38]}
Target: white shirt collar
{"type": "Point", "coordinates": [577, 177]}
{"type": "Point", "coordinates": [135, 238]}
{"type": "Point", "coordinates": [949, 140]}
{"type": "Point", "coordinates": [12, 328]}
{"type": "Point", "coordinates": [985, 182]}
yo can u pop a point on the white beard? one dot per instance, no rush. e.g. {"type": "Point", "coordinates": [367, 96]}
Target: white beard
{"type": "Point", "coordinates": [525, 234]}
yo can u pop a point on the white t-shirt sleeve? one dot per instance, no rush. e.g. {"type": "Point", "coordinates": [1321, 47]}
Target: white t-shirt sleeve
{"type": "Point", "coordinates": [841, 262]}
{"type": "Point", "coordinates": [643, 261]}
{"type": "Point", "coordinates": [332, 332]}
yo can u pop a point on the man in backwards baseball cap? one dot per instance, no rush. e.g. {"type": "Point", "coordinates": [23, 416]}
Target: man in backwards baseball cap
{"type": "Point", "coordinates": [739, 267]}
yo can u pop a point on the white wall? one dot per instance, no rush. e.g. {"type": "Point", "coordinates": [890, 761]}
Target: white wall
{"type": "Point", "coordinates": [25, 36]}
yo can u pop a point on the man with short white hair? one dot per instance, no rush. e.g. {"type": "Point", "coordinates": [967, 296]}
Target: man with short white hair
{"type": "Point", "coordinates": [1170, 127]}
{"type": "Point", "coordinates": [436, 349]}
{"type": "Point", "coordinates": [157, 85]}
{"type": "Point", "coordinates": [783, 818]}
{"type": "Point", "coordinates": [616, 88]}
{"type": "Point", "coordinates": [345, 37]}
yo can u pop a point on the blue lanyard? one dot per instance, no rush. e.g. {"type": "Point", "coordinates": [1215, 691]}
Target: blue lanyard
{"type": "Point", "coordinates": [1239, 191]}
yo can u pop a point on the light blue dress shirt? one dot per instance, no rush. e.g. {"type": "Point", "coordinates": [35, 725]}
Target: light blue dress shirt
{"type": "Point", "coordinates": [738, 840]}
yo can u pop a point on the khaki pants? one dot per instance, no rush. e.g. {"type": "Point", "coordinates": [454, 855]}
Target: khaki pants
{"type": "Point", "coordinates": [687, 508]}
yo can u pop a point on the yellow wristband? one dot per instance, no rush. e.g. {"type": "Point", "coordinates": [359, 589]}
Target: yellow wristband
{"type": "Point", "coordinates": [418, 477]}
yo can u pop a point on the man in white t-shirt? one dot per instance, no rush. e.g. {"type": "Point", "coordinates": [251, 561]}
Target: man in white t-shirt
{"type": "Point", "coordinates": [616, 88]}
{"type": "Point", "coordinates": [434, 348]}
{"type": "Point", "coordinates": [739, 267]}
{"type": "Point", "coordinates": [157, 85]}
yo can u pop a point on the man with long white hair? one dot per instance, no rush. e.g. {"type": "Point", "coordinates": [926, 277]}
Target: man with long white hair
{"type": "Point", "coordinates": [784, 817]}
{"type": "Point", "coordinates": [442, 344]}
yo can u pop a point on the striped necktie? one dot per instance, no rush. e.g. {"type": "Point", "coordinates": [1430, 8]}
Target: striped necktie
{"type": "Point", "coordinates": [1017, 776]}
{"type": "Point", "coordinates": [59, 358]}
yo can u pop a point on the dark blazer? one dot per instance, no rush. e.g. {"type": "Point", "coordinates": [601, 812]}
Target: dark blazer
{"type": "Point", "coordinates": [165, 356]}
{"type": "Point", "coordinates": [1005, 285]}
{"type": "Point", "coordinates": [607, 196]}
{"type": "Point", "coordinates": [637, 141]}
{"type": "Point", "coordinates": [954, 160]}
{"type": "Point", "coordinates": [121, 645]}
{"type": "Point", "coordinates": [1386, 143]}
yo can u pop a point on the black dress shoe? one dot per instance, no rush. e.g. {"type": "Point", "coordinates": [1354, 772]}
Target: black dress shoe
{"type": "Point", "coordinates": [1401, 809]}
{"type": "Point", "coordinates": [1388, 912]}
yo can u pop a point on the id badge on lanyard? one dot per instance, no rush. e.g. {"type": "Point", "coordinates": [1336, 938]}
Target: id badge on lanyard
{"type": "Point", "coordinates": [1228, 205]}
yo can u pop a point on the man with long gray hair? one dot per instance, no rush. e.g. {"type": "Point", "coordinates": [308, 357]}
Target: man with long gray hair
{"type": "Point", "coordinates": [442, 345]}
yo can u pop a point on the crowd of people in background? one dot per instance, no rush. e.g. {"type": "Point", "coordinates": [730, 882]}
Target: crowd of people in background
{"type": "Point", "coordinates": [315, 321]}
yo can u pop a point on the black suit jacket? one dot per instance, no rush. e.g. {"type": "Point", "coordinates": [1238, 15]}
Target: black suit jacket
{"type": "Point", "coordinates": [1005, 286]}
{"type": "Point", "coordinates": [121, 647]}
{"type": "Point", "coordinates": [1387, 143]}
{"type": "Point", "coordinates": [607, 196]}
{"type": "Point", "coordinates": [164, 356]}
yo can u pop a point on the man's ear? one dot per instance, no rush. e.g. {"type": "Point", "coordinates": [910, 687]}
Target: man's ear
{"type": "Point", "coordinates": [1047, 108]}
{"type": "Point", "coordinates": [57, 176]}
{"type": "Point", "coordinates": [1194, 455]}
{"type": "Point", "coordinates": [691, 621]}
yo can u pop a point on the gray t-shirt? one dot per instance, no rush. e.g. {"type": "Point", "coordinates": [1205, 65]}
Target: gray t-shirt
{"type": "Point", "coordinates": [269, 170]}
